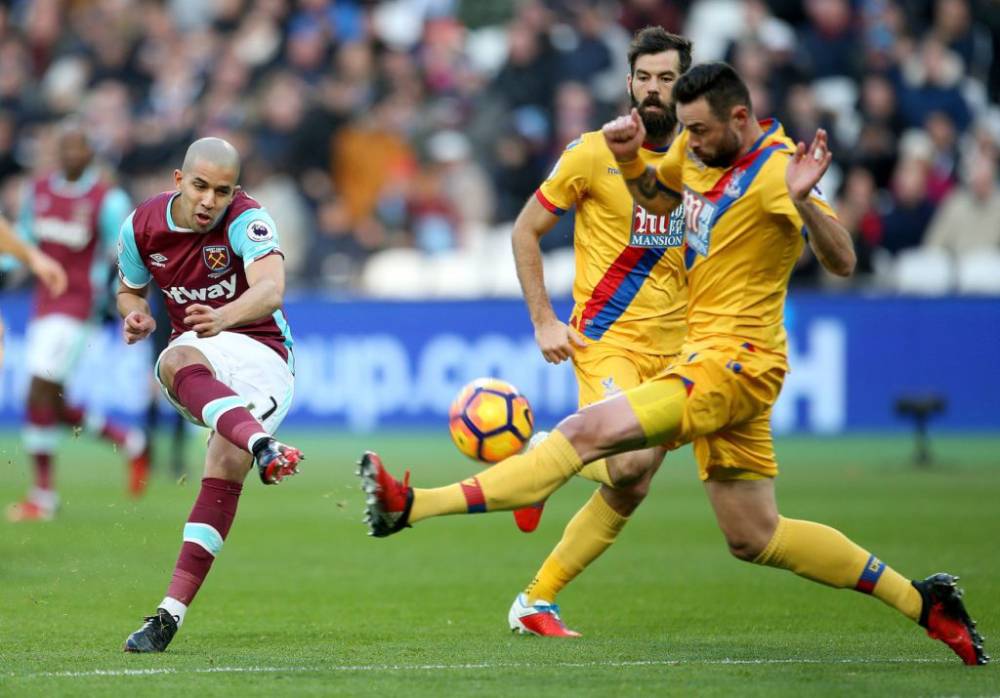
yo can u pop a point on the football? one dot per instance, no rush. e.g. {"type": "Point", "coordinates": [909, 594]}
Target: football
{"type": "Point", "coordinates": [490, 420]}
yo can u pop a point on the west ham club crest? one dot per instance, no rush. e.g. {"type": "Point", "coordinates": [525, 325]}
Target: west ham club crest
{"type": "Point", "coordinates": [216, 258]}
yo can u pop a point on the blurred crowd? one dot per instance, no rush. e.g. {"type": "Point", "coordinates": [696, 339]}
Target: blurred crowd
{"type": "Point", "coordinates": [423, 125]}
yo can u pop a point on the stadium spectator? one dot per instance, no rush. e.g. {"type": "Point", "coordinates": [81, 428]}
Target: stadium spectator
{"type": "Point", "coordinates": [910, 208]}
{"type": "Point", "coordinates": [149, 77]}
{"type": "Point", "coordinates": [969, 218]}
{"type": "Point", "coordinates": [829, 44]}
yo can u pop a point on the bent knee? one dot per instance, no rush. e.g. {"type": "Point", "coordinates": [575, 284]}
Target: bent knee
{"type": "Point", "coordinates": [176, 358]}
{"type": "Point", "coordinates": [748, 545]}
{"type": "Point", "coordinates": [634, 471]}
{"type": "Point", "coordinates": [744, 549]}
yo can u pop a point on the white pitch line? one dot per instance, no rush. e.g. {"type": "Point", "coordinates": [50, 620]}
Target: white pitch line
{"type": "Point", "coordinates": [462, 667]}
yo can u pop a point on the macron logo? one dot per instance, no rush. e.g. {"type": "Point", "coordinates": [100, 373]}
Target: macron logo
{"type": "Point", "coordinates": [182, 294]}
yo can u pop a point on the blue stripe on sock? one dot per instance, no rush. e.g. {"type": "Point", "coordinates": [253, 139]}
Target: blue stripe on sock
{"type": "Point", "coordinates": [216, 408]}
{"type": "Point", "coordinates": [204, 535]}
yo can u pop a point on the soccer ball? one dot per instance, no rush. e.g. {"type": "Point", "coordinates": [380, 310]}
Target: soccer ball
{"type": "Point", "coordinates": [490, 420]}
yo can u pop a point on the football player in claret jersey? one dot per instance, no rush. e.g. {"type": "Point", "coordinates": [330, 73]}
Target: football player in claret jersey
{"type": "Point", "coordinates": [750, 199]}
{"type": "Point", "coordinates": [213, 250]}
{"type": "Point", "coordinates": [627, 323]}
{"type": "Point", "coordinates": [73, 215]}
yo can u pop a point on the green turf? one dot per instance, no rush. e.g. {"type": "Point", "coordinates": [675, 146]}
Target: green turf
{"type": "Point", "coordinates": [302, 602]}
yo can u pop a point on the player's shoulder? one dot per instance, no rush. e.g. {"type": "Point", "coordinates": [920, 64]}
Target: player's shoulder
{"type": "Point", "coordinates": [248, 221]}
{"type": "Point", "coordinates": [241, 203]}
{"type": "Point", "coordinates": [587, 143]}
{"type": "Point", "coordinates": [151, 214]}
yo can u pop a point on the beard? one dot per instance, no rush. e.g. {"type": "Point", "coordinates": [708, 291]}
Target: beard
{"type": "Point", "coordinates": [725, 156]}
{"type": "Point", "coordinates": [659, 123]}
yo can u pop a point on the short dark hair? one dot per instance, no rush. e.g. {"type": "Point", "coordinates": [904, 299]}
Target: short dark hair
{"type": "Point", "coordinates": [657, 40]}
{"type": "Point", "coordinates": [718, 83]}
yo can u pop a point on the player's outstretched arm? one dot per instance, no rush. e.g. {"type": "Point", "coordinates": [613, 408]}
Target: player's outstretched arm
{"type": "Point", "coordinates": [46, 269]}
{"type": "Point", "coordinates": [555, 339]}
{"type": "Point", "coordinates": [134, 309]}
{"type": "Point", "coordinates": [828, 239]}
{"type": "Point", "coordinates": [266, 277]}
{"type": "Point", "coordinates": [624, 137]}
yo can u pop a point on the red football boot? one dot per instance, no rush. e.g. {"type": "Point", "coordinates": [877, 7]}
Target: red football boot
{"type": "Point", "coordinates": [946, 619]}
{"type": "Point", "coordinates": [387, 500]}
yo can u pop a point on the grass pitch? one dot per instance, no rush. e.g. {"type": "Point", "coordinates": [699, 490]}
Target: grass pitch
{"type": "Point", "coordinates": [301, 602]}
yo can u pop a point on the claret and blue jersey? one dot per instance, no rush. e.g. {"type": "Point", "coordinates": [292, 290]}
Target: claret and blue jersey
{"type": "Point", "coordinates": [206, 268]}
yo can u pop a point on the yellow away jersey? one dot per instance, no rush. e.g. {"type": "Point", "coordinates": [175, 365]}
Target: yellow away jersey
{"type": "Point", "coordinates": [742, 238]}
{"type": "Point", "coordinates": [629, 287]}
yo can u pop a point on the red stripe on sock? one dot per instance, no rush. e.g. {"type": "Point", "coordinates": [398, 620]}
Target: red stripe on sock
{"type": "Point", "coordinates": [215, 506]}
{"type": "Point", "coordinates": [864, 586]}
{"type": "Point", "coordinates": [475, 500]}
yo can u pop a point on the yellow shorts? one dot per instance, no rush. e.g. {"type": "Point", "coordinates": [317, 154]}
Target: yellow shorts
{"type": "Point", "coordinates": [603, 370]}
{"type": "Point", "coordinates": [727, 414]}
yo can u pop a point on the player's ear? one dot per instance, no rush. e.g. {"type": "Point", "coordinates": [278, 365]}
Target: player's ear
{"type": "Point", "coordinates": [178, 176]}
{"type": "Point", "coordinates": [740, 115]}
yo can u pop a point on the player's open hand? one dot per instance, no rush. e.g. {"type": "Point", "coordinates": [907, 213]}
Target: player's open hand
{"type": "Point", "coordinates": [807, 167]}
{"type": "Point", "coordinates": [137, 326]}
{"type": "Point", "coordinates": [625, 135]}
{"type": "Point", "coordinates": [48, 271]}
{"type": "Point", "coordinates": [204, 320]}
{"type": "Point", "coordinates": [558, 341]}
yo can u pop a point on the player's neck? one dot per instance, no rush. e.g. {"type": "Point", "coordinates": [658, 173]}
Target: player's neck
{"type": "Point", "coordinates": [657, 143]}
{"type": "Point", "coordinates": [751, 135]}
{"type": "Point", "coordinates": [175, 214]}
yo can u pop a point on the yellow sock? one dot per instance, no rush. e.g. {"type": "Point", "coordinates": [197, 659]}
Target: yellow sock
{"type": "Point", "coordinates": [597, 472]}
{"type": "Point", "coordinates": [513, 483]}
{"type": "Point", "coordinates": [826, 555]}
{"type": "Point", "coordinates": [588, 534]}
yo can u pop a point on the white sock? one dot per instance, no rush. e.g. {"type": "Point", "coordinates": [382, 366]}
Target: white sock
{"type": "Point", "coordinates": [135, 442]}
{"type": "Point", "coordinates": [46, 499]}
{"type": "Point", "coordinates": [174, 608]}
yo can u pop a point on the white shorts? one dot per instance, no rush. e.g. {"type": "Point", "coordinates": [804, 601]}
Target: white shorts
{"type": "Point", "coordinates": [54, 345]}
{"type": "Point", "coordinates": [251, 369]}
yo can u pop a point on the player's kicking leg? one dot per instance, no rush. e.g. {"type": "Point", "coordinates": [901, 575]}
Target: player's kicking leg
{"type": "Point", "coordinates": [755, 532]}
{"type": "Point", "coordinates": [593, 529]}
{"type": "Point", "coordinates": [597, 431]}
{"type": "Point", "coordinates": [240, 441]}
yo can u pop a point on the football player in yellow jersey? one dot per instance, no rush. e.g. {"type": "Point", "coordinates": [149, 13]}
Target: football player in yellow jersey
{"type": "Point", "coordinates": [750, 198]}
{"type": "Point", "coordinates": [627, 323]}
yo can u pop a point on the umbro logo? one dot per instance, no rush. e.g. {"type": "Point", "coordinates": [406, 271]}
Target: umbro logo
{"type": "Point", "coordinates": [158, 260]}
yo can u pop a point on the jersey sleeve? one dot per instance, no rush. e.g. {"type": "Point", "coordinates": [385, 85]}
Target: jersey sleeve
{"type": "Point", "coordinates": [26, 216]}
{"type": "Point", "coordinates": [671, 166]}
{"type": "Point", "coordinates": [132, 272]}
{"type": "Point", "coordinates": [569, 179]}
{"type": "Point", "coordinates": [778, 202]}
{"type": "Point", "coordinates": [253, 234]}
{"type": "Point", "coordinates": [115, 207]}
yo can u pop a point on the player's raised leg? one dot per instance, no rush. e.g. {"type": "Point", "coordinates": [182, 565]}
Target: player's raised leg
{"type": "Point", "coordinates": [190, 380]}
{"type": "Point", "coordinates": [649, 414]}
{"type": "Point", "coordinates": [756, 532]}
{"type": "Point", "coordinates": [593, 530]}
